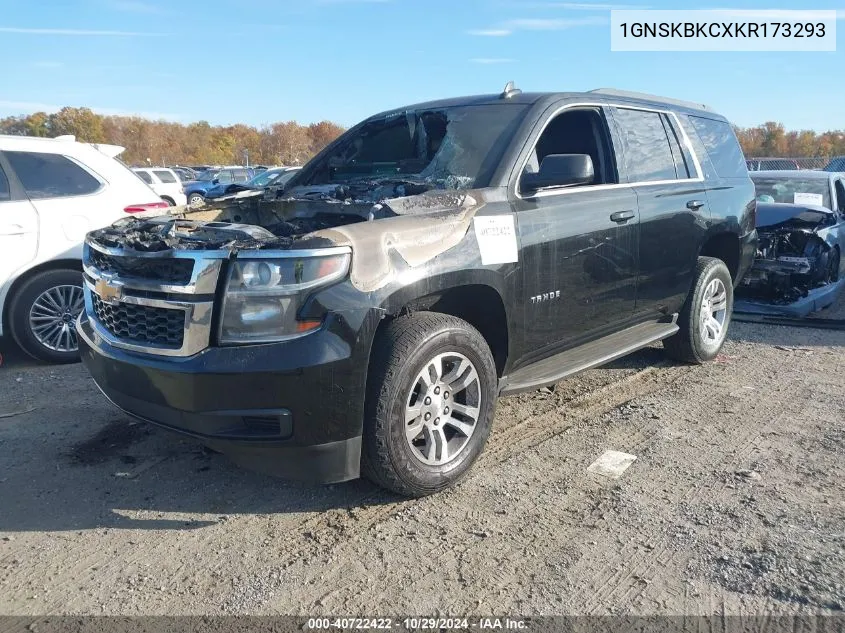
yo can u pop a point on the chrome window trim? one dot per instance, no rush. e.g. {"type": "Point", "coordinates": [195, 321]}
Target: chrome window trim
{"type": "Point", "coordinates": [560, 192]}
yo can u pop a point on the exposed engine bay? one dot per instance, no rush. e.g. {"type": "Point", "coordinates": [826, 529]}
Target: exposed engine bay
{"type": "Point", "coordinates": [797, 253]}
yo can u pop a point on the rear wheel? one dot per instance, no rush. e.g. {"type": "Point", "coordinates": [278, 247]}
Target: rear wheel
{"type": "Point", "coordinates": [169, 201]}
{"type": "Point", "coordinates": [430, 403]}
{"type": "Point", "coordinates": [43, 315]}
{"type": "Point", "coordinates": [706, 315]}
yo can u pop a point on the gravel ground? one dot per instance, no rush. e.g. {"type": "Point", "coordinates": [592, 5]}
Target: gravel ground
{"type": "Point", "coordinates": [734, 505]}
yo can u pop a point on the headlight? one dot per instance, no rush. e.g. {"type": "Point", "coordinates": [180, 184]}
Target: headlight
{"type": "Point", "coordinates": [264, 296]}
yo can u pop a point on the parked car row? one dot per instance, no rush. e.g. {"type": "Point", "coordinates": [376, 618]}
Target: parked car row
{"type": "Point", "coordinates": [165, 182]}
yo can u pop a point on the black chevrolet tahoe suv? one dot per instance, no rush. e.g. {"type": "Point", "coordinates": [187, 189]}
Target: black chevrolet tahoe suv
{"type": "Point", "coordinates": [364, 318]}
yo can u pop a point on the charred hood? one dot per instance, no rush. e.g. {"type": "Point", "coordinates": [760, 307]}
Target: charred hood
{"type": "Point", "coordinates": [290, 222]}
{"type": "Point", "coordinates": [793, 216]}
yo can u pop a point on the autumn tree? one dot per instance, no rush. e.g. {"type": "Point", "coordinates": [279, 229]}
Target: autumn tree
{"type": "Point", "coordinates": [80, 122]}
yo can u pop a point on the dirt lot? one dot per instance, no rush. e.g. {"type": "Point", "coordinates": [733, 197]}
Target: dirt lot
{"type": "Point", "coordinates": [735, 504]}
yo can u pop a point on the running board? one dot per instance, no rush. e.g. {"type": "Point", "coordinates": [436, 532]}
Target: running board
{"type": "Point", "coordinates": [593, 354]}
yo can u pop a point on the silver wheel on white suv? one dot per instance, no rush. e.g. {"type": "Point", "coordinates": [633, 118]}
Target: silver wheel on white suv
{"type": "Point", "coordinates": [43, 313]}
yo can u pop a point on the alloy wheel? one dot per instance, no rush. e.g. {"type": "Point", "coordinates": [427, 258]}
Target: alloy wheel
{"type": "Point", "coordinates": [442, 409]}
{"type": "Point", "coordinates": [52, 317]}
{"type": "Point", "coordinates": [714, 312]}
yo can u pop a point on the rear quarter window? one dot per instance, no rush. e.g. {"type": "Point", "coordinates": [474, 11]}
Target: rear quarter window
{"type": "Point", "coordinates": [722, 147]}
{"type": "Point", "coordinates": [51, 175]}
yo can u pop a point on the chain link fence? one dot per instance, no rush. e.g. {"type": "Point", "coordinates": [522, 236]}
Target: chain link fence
{"type": "Point", "coordinates": [761, 163]}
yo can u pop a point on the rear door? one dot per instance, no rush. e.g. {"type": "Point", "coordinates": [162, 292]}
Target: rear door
{"type": "Point", "coordinates": [18, 225]}
{"type": "Point", "coordinates": [673, 205]}
{"type": "Point", "coordinates": [63, 193]}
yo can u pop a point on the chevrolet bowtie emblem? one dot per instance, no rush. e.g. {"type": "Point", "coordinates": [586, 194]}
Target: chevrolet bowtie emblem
{"type": "Point", "coordinates": [108, 292]}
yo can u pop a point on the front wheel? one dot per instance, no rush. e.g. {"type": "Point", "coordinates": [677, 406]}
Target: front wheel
{"type": "Point", "coordinates": [196, 200]}
{"type": "Point", "coordinates": [43, 315]}
{"type": "Point", "coordinates": [430, 403]}
{"type": "Point", "coordinates": [706, 315]}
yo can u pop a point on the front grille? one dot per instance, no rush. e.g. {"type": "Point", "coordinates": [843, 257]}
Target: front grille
{"type": "Point", "coordinates": [165, 270]}
{"type": "Point", "coordinates": [143, 325]}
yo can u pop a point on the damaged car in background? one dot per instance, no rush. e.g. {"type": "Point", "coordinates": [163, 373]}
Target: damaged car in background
{"type": "Point", "coordinates": [801, 228]}
{"type": "Point", "coordinates": [365, 317]}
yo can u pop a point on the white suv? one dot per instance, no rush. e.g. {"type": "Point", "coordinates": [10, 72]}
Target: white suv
{"type": "Point", "coordinates": [52, 192]}
{"type": "Point", "coordinates": [165, 183]}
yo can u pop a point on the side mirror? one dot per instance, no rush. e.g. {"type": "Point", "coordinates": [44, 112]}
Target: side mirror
{"type": "Point", "coordinates": [560, 170]}
{"type": "Point", "coordinates": [216, 181]}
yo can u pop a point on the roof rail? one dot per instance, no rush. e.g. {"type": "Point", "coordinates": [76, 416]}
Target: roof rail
{"type": "Point", "coordinates": [613, 92]}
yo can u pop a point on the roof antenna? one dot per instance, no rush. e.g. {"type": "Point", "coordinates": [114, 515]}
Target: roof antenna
{"type": "Point", "coordinates": [510, 91]}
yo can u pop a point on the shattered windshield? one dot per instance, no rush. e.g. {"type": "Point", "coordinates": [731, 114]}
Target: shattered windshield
{"type": "Point", "coordinates": [447, 148]}
{"type": "Point", "coordinates": [794, 190]}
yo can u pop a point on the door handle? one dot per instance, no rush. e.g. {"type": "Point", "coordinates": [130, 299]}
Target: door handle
{"type": "Point", "coordinates": [695, 205]}
{"type": "Point", "coordinates": [12, 229]}
{"type": "Point", "coordinates": [622, 216]}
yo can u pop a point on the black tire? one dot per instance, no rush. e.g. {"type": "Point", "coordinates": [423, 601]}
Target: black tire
{"type": "Point", "coordinates": [195, 197]}
{"type": "Point", "coordinates": [169, 200]}
{"type": "Point", "coordinates": [402, 350]}
{"type": "Point", "coordinates": [21, 305]}
{"type": "Point", "coordinates": [688, 344]}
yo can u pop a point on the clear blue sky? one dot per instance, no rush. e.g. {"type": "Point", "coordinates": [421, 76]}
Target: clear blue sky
{"type": "Point", "coordinates": [342, 60]}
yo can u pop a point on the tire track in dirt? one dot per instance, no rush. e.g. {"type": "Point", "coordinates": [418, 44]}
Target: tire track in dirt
{"type": "Point", "coordinates": [504, 443]}
{"type": "Point", "coordinates": [633, 578]}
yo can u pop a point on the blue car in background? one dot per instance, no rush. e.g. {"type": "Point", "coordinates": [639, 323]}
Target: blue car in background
{"type": "Point", "coordinates": [197, 190]}
{"type": "Point", "coordinates": [273, 177]}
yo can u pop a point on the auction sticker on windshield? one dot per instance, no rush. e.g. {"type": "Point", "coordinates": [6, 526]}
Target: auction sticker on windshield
{"type": "Point", "coordinates": [815, 199]}
{"type": "Point", "coordinates": [496, 239]}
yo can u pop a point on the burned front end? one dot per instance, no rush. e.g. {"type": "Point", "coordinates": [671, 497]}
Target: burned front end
{"type": "Point", "coordinates": [248, 324]}
{"type": "Point", "coordinates": [796, 253]}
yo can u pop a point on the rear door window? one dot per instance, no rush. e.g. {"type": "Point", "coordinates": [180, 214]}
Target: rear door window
{"type": "Point", "coordinates": [722, 147]}
{"type": "Point", "coordinates": [648, 155]}
{"type": "Point", "coordinates": [241, 175]}
{"type": "Point", "coordinates": [51, 175]}
{"type": "Point", "coordinates": [165, 176]}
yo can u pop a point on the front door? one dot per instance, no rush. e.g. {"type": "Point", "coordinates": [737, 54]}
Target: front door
{"type": "Point", "coordinates": [579, 244]}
